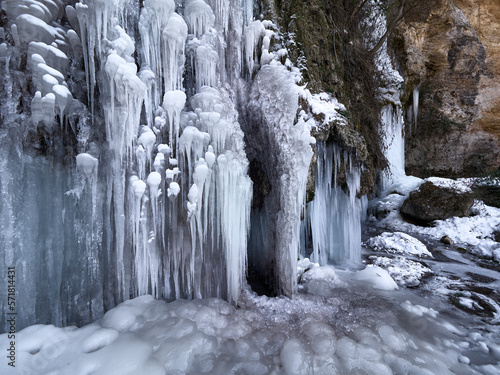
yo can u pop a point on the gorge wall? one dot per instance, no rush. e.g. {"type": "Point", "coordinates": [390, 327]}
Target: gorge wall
{"type": "Point", "coordinates": [448, 57]}
{"type": "Point", "coordinates": [446, 52]}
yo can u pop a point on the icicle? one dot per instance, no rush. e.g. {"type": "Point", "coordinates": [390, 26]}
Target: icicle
{"type": "Point", "coordinates": [234, 194]}
{"type": "Point", "coordinates": [416, 91]}
{"type": "Point", "coordinates": [36, 109]}
{"type": "Point", "coordinates": [154, 18]}
{"type": "Point", "coordinates": [154, 180]}
{"type": "Point", "coordinates": [334, 215]}
{"type": "Point", "coordinates": [206, 66]}
{"type": "Point", "coordinates": [221, 8]}
{"type": "Point", "coordinates": [173, 103]}
{"type": "Point", "coordinates": [151, 101]}
{"type": "Point", "coordinates": [253, 33]}
{"type": "Point", "coordinates": [192, 144]}
{"type": "Point", "coordinates": [48, 108]}
{"type": "Point", "coordinates": [95, 21]}
{"type": "Point", "coordinates": [199, 17]}
{"type": "Point", "coordinates": [63, 100]}
{"type": "Point", "coordinates": [391, 120]}
{"type": "Point", "coordinates": [139, 188]}
{"type": "Point", "coordinates": [173, 41]}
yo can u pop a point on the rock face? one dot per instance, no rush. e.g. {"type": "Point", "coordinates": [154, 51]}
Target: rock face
{"type": "Point", "coordinates": [449, 59]}
{"type": "Point", "coordinates": [431, 202]}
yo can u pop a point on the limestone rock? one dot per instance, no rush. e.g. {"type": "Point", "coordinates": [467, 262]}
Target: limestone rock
{"type": "Point", "coordinates": [431, 202]}
{"type": "Point", "coordinates": [450, 63]}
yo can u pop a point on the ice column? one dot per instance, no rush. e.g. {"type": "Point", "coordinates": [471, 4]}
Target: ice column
{"type": "Point", "coordinates": [154, 18]}
{"type": "Point", "coordinates": [334, 216]}
{"type": "Point", "coordinates": [391, 118]}
{"type": "Point", "coordinates": [416, 94]}
{"type": "Point", "coordinates": [283, 149]}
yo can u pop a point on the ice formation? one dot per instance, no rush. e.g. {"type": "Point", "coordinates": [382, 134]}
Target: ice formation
{"type": "Point", "coordinates": [391, 116]}
{"type": "Point", "coordinates": [162, 206]}
{"type": "Point", "coordinates": [131, 177]}
{"type": "Point", "coordinates": [272, 110]}
{"type": "Point", "coordinates": [313, 333]}
{"type": "Point", "coordinates": [334, 216]}
{"type": "Point", "coordinates": [140, 108]}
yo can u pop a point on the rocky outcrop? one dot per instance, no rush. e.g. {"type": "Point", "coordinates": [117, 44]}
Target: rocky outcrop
{"type": "Point", "coordinates": [431, 202]}
{"type": "Point", "coordinates": [449, 60]}
{"type": "Point", "coordinates": [332, 55]}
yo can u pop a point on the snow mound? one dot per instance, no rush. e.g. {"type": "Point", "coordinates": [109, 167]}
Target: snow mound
{"type": "Point", "coordinates": [460, 186]}
{"type": "Point", "coordinates": [399, 243]}
{"type": "Point", "coordinates": [377, 277]}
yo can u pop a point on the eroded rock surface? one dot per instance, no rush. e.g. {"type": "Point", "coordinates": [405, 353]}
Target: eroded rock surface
{"type": "Point", "coordinates": [449, 58]}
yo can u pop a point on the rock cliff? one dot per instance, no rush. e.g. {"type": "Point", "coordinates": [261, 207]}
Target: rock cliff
{"type": "Point", "coordinates": [449, 58]}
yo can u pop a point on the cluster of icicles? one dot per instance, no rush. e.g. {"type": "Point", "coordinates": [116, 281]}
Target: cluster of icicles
{"type": "Point", "coordinates": [177, 193]}
{"type": "Point", "coordinates": [185, 198]}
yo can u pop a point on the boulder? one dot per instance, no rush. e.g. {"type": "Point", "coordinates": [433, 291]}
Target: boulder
{"type": "Point", "coordinates": [431, 202]}
{"type": "Point", "coordinates": [447, 240]}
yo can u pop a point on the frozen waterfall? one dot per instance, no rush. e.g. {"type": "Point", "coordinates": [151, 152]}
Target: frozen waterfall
{"type": "Point", "coordinates": [334, 216]}
{"type": "Point", "coordinates": [128, 130]}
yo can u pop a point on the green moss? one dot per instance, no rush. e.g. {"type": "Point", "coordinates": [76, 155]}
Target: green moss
{"type": "Point", "coordinates": [335, 60]}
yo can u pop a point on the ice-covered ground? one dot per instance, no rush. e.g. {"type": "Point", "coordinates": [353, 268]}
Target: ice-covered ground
{"type": "Point", "coordinates": [340, 323]}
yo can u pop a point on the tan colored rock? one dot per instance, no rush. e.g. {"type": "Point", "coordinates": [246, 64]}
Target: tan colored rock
{"type": "Point", "coordinates": [484, 16]}
{"type": "Point", "coordinates": [452, 54]}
